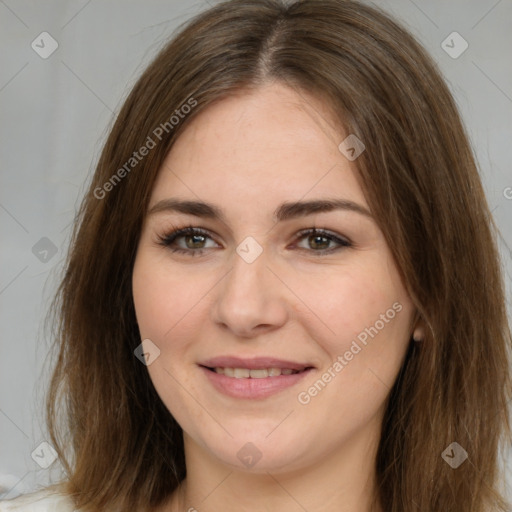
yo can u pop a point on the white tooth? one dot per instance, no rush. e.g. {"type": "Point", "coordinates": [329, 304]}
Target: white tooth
{"type": "Point", "coordinates": [241, 373]}
{"type": "Point", "coordinates": [259, 374]}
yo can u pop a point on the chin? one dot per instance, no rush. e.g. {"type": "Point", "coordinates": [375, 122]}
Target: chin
{"type": "Point", "coordinates": [257, 452]}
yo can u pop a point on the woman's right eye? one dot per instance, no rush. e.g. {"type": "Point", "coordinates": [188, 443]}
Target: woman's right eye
{"type": "Point", "coordinates": [188, 240]}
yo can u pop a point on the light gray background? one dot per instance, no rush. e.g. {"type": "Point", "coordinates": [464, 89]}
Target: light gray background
{"type": "Point", "coordinates": [55, 113]}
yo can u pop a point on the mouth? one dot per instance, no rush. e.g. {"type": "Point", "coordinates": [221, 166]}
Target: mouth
{"type": "Point", "coordinates": [256, 378]}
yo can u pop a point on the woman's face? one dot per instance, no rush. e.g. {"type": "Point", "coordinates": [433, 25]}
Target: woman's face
{"type": "Point", "coordinates": [256, 294]}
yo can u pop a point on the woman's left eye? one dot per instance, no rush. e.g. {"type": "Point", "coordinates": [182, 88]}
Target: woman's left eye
{"type": "Point", "coordinates": [320, 239]}
{"type": "Point", "coordinates": [194, 241]}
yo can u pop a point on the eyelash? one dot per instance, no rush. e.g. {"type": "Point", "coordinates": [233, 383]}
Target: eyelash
{"type": "Point", "coordinates": [168, 239]}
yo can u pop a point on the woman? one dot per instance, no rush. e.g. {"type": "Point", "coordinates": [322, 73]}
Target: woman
{"type": "Point", "coordinates": [283, 290]}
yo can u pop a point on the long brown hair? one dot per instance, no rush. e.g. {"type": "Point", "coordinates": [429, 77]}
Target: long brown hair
{"type": "Point", "coordinates": [119, 445]}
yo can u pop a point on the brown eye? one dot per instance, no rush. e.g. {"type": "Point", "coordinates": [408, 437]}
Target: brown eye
{"type": "Point", "coordinates": [190, 240]}
{"type": "Point", "coordinates": [321, 241]}
{"type": "Point", "coordinates": [195, 241]}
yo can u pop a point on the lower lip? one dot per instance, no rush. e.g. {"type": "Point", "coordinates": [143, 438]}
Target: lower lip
{"type": "Point", "coordinates": [253, 388]}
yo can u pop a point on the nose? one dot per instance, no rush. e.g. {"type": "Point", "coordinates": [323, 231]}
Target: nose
{"type": "Point", "coordinates": [250, 300]}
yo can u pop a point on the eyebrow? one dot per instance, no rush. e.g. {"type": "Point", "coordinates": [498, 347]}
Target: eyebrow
{"type": "Point", "coordinates": [286, 211]}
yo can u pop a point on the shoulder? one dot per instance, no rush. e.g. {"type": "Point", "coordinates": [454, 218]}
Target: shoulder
{"type": "Point", "coordinates": [43, 500]}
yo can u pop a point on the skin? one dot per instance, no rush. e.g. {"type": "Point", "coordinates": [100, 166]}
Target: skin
{"type": "Point", "coordinates": [247, 155]}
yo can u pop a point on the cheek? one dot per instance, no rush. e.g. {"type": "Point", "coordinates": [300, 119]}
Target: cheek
{"type": "Point", "coordinates": [163, 299]}
{"type": "Point", "coordinates": [167, 308]}
{"type": "Point", "coordinates": [362, 323]}
{"type": "Point", "coordinates": [344, 302]}
{"type": "Point", "coordinates": [364, 332]}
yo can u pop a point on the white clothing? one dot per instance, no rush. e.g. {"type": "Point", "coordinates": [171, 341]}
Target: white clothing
{"type": "Point", "coordinates": [38, 501]}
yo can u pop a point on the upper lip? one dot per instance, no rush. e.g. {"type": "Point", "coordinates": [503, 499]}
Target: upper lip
{"type": "Point", "coordinates": [254, 363]}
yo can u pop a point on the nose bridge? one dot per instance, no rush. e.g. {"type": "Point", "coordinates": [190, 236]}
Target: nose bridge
{"type": "Point", "coordinates": [250, 295]}
{"type": "Point", "coordinates": [248, 275]}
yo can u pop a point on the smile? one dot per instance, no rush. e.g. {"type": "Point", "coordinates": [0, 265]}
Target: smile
{"type": "Point", "coordinates": [246, 373]}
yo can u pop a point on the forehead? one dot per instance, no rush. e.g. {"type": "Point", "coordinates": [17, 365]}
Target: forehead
{"type": "Point", "coordinates": [260, 147]}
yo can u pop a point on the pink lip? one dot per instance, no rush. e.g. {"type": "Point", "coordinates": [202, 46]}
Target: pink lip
{"type": "Point", "coordinates": [255, 363]}
{"type": "Point", "coordinates": [252, 388]}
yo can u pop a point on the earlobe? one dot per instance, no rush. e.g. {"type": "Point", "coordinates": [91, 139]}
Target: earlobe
{"type": "Point", "coordinates": [418, 333]}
